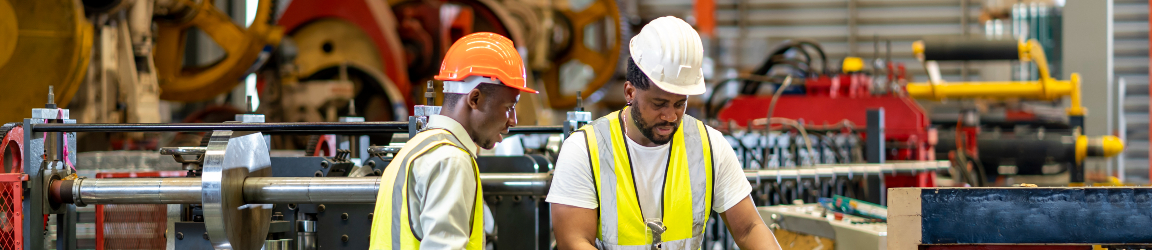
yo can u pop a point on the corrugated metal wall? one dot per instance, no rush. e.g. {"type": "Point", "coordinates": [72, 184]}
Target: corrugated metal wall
{"type": "Point", "coordinates": [843, 27]}
{"type": "Point", "coordinates": [1130, 56]}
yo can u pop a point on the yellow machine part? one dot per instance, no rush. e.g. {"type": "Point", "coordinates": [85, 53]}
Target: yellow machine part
{"type": "Point", "coordinates": [590, 52]}
{"type": "Point", "coordinates": [1047, 88]}
{"type": "Point", "coordinates": [1102, 146]}
{"type": "Point", "coordinates": [242, 47]}
{"type": "Point", "coordinates": [347, 44]}
{"type": "Point", "coordinates": [42, 43]}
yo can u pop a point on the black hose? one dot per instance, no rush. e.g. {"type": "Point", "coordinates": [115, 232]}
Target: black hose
{"type": "Point", "coordinates": [711, 112]}
{"type": "Point", "coordinates": [751, 87]}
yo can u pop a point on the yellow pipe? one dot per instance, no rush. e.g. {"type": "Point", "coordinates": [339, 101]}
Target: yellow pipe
{"type": "Point", "coordinates": [1075, 108]}
{"type": "Point", "coordinates": [1046, 88]}
{"type": "Point", "coordinates": [995, 90]}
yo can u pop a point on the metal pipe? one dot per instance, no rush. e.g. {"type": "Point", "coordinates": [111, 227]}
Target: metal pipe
{"type": "Point", "coordinates": [133, 191]}
{"type": "Point", "coordinates": [1003, 89]}
{"type": "Point", "coordinates": [515, 183]}
{"type": "Point", "coordinates": [278, 128]}
{"type": "Point", "coordinates": [267, 190]}
{"type": "Point", "coordinates": [311, 190]}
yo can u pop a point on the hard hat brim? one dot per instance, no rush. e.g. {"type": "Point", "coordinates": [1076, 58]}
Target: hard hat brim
{"type": "Point", "coordinates": [523, 89]}
{"type": "Point", "coordinates": [694, 89]}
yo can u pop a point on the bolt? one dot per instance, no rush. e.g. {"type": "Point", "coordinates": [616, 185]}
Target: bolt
{"type": "Point", "coordinates": [344, 238]}
{"type": "Point", "coordinates": [324, 164]}
{"type": "Point", "coordinates": [371, 164]}
{"type": "Point", "coordinates": [369, 216]}
{"type": "Point", "coordinates": [179, 236]}
{"type": "Point", "coordinates": [320, 208]}
{"type": "Point", "coordinates": [344, 216]}
{"type": "Point", "coordinates": [205, 235]}
{"type": "Point", "coordinates": [378, 172]}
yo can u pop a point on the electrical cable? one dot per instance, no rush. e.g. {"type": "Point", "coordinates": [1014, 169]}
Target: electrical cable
{"type": "Point", "coordinates": [776, 96]}
{"type": "Point", "coordinates": [711, 112]}
{"type": "Point", "coordinates": [771, 61]}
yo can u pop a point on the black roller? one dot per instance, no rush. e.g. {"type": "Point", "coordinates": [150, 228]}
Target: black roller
{"type": "Point", "coordinates": [970, 50]}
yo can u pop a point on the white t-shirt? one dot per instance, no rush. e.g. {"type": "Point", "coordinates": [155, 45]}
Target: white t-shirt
{"type": "Point", "coordinates": [573, 185]}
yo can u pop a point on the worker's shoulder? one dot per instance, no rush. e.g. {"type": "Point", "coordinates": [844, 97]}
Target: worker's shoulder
{"type": "Point", "coordinates": [444, 152]}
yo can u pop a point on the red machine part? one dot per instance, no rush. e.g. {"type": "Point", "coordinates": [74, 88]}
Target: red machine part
{"type": "Point", "coordinates": [325, 146]}
{"type": "Point", "coordinates": [363, 13]}
{"type": "Point", "coordinates": [12, 151]}
{"type": "Point", "coordinates": [905, 121]}
{"type": "Point", "coordinates": [847, 97]}
{"type": "Point", "coordinates": [132, 226]}
{"type": "Point", "coordinates": [845, 85]}
{"type": "Point", "coordinates": [11, 211]}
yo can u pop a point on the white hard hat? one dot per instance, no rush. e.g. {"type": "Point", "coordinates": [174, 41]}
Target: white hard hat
{"type": "Point", "coordinates": [670, 53]}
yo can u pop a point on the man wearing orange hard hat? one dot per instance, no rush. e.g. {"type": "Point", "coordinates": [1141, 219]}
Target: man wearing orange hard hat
{"type": "Point", "coordinates": [430, 195]}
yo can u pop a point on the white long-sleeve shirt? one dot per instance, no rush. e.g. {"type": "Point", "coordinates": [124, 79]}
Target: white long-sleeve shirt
{"type": "Point", "coordinates": [442, 189]}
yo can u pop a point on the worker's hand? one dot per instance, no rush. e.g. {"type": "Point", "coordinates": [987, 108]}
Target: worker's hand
{"type": "Point", "coordinates": [747, 228]}
{"type": "Point", "coordinates": [575, 227]}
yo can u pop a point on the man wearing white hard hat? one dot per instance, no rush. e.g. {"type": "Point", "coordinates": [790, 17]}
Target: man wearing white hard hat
{"type": "Point", "coordinates": [648, 176]}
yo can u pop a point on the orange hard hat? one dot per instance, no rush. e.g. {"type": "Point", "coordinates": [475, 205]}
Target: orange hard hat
{"type": "Point", "coordinates": [484, 54]}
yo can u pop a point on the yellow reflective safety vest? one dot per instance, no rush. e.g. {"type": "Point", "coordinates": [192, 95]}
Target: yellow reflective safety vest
{"type": "Point", "coordinates": [687, 199]}
{"type": "Point", "coordinates": [391, 228]}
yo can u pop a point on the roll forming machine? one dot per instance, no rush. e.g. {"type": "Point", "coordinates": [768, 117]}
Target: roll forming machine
{"type": "Point", "coordinates": [234, 194]}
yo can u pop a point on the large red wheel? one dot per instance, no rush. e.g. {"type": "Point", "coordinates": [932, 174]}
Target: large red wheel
{"type": "Point", "coordinates": [12, 150]}
{"type": "Point", "coordinates": [374, 18]}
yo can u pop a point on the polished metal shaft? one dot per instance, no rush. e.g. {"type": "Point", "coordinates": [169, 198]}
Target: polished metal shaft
{"type": "Point", "coordinates": [137, 191]}
{"type": "Point", "coordinates": [266, 190]}
{"type": "Point", "coordinates": [515, 183]}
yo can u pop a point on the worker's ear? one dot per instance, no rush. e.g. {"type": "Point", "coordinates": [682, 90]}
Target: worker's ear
{"type": "Point", "coordinates": [629, 92]}
{"type": "Point", "coordinates": [474, 99]}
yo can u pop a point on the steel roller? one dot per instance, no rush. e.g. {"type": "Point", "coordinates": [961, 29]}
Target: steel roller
{"type": "Point", "coordinates": [231, 157]}
{"type": "Point", "coordinates": [265, 190]}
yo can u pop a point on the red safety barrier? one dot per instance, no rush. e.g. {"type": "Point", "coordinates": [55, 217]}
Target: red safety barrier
{"type": "Point", "coordinates": [11, 211]}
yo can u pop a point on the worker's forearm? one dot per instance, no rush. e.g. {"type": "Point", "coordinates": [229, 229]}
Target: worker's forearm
{"type": "Point", "coordinates": [757, 237]}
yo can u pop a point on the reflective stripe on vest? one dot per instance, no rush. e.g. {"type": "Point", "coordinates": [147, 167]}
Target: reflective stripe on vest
{"type": "Point", "coordinates": [395, 231]}
{"type": "Point", "coordinates": [687, 198]}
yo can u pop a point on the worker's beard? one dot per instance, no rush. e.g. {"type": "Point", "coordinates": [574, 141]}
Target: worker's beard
{"type": "Point", "coordinates": [649, 131]}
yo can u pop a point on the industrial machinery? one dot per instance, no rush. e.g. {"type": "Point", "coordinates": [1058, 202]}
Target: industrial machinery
{"type": "Point", "coordinates": [821, 117]}
{"type": "Point", "coordinates": [1034, 149]}
{"type": "Point", "coordinates": [232, 192]}
{"type": "Point", "coordinates": [832, 117]}
{"type": "Point", "coordinates": [379, 54]}
{"type": "Point", "coordinates": [811, 226]}
{"type": "Point", "coordinates": [315, 60]}
{"type": "Point", "coordinates": [114, 66]}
